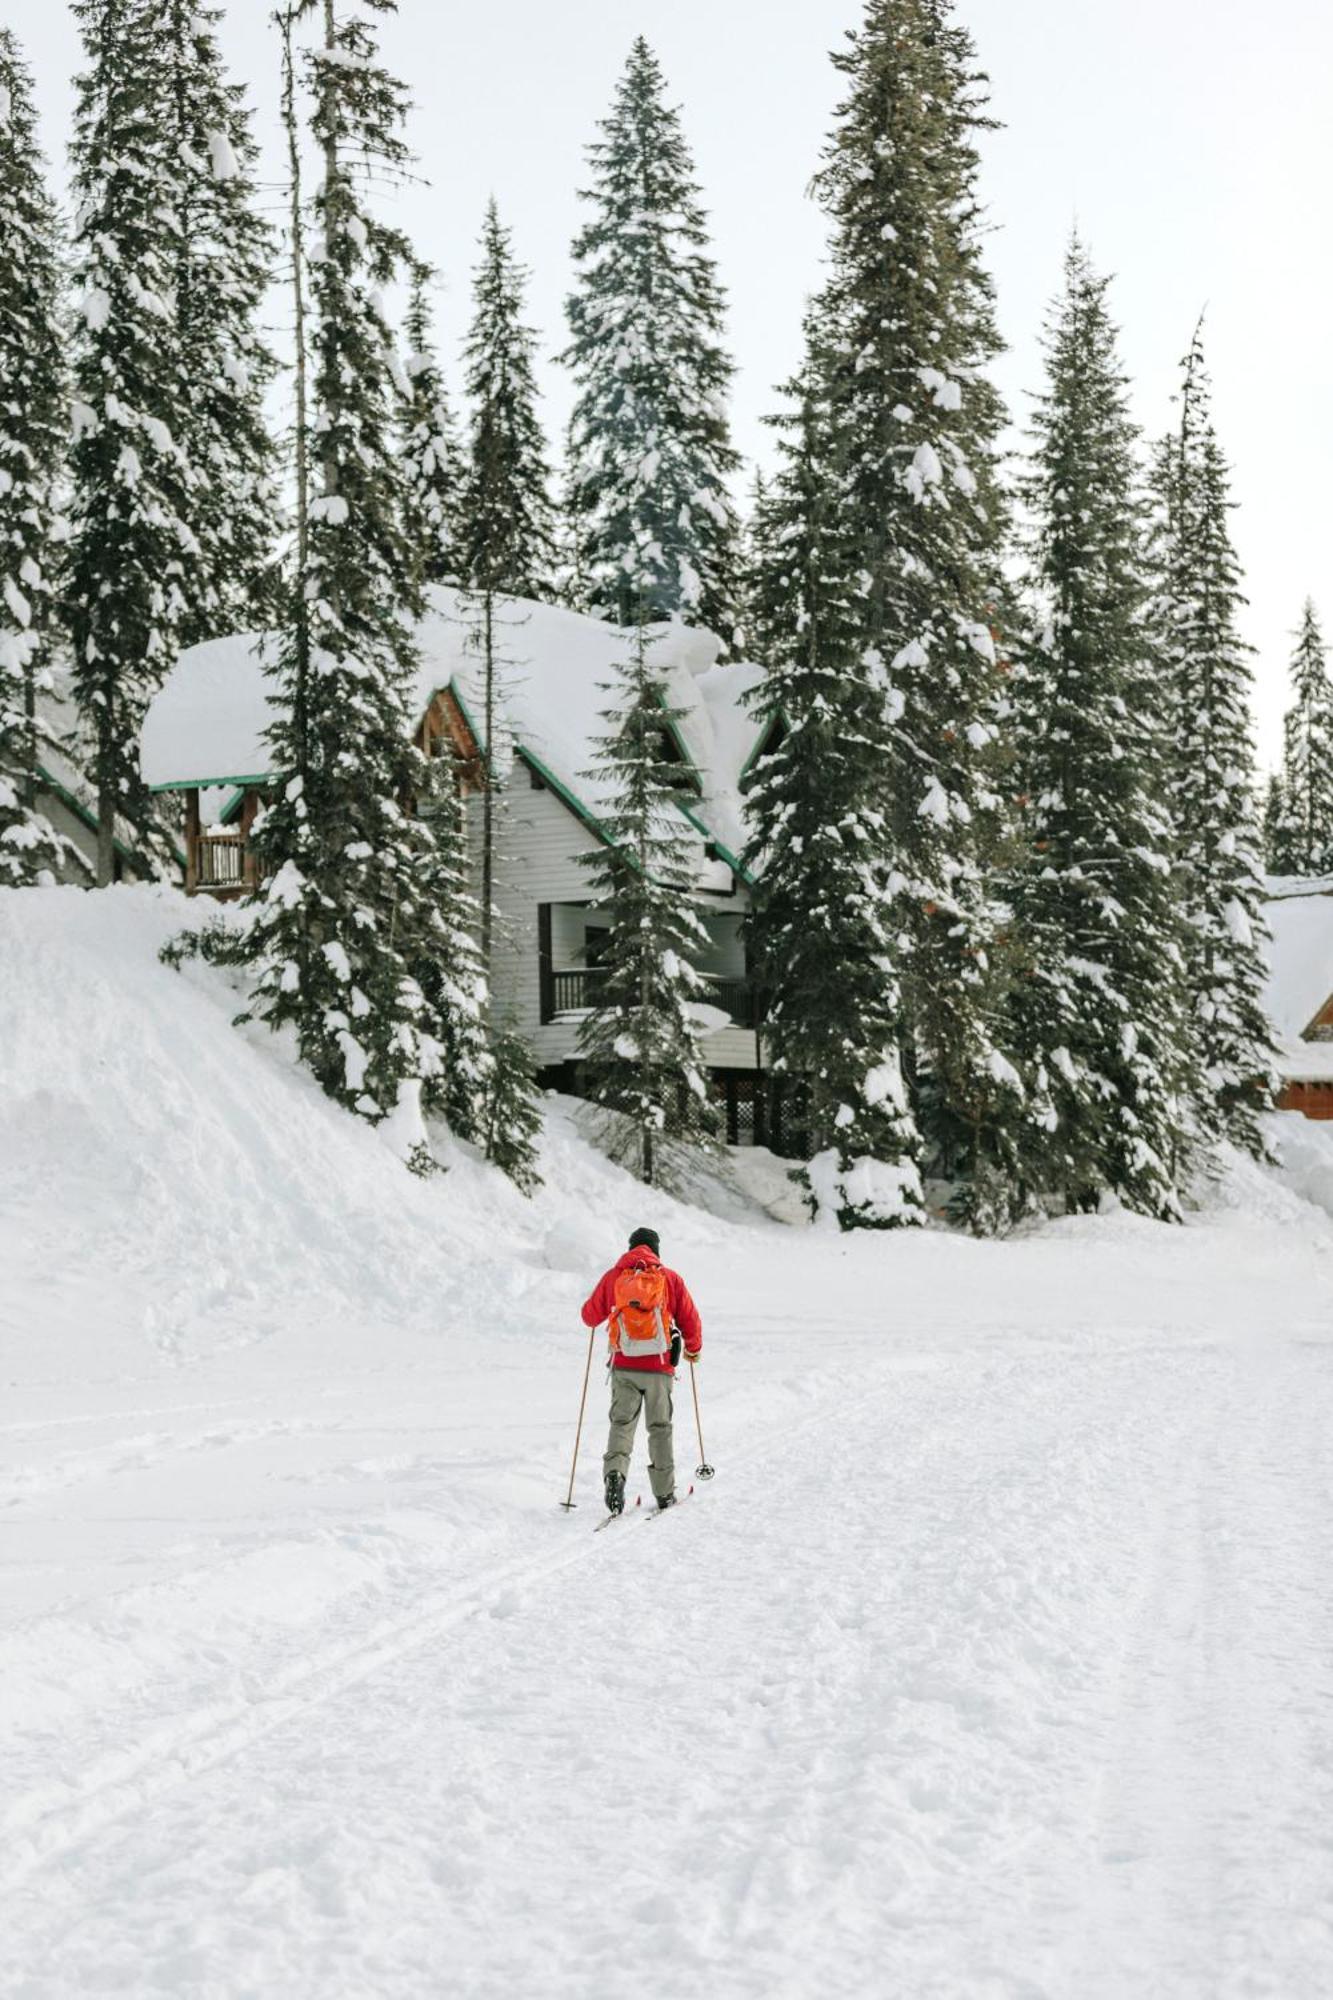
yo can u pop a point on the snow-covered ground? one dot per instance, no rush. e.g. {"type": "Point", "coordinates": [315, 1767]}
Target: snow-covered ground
{"type": "Point", "coordinates": [996, 1662]}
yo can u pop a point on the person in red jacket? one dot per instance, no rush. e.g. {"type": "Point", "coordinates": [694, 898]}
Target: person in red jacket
{"type": "Point", "coordinates": [650, 1316]}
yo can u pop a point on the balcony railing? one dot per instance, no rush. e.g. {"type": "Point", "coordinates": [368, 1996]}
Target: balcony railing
{"type": "Point", "coordinates": [570, 992]}
{"type": "Point", "coordinates": [221, 862]}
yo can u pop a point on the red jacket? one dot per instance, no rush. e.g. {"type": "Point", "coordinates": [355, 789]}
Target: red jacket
{"type": "Point", "coordinates": [683, 1309]}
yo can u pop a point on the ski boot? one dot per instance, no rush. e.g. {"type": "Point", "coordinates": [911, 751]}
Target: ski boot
{"type": "Point", "coordinates": [669, 1501]}
{"type": "Point", "coordinates": [615, 1492]}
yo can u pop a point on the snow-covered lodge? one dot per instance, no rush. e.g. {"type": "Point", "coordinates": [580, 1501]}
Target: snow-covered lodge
{"type": "Point", "coordinates": [204, 739]}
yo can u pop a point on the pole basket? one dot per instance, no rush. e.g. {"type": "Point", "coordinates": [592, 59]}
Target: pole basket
{"type": "Point", "coordinates": [704, 1471]}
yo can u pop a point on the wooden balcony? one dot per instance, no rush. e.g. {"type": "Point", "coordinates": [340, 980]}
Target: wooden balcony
{"type": "Point", "coordinates": [219, 860]}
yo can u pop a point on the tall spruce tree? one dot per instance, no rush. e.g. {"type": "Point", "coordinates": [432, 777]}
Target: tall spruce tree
{"type": "Point", "coordinates": [224, 250]}
{"type": "Point", "coordinates": [508, 549]}
{"type": "Point", "coordinates": [1195, 615]}
{"type": "Point", "coordinates": [640, 1039]}
{"type": "Point", "coordinates": [360, 941]}
{"type": "Point", "coordinates": [432, 456]}
{"type": "Point", "coordinates": [1301, 819]}
{"type": "Point", "coordinates": [33, 420]}
{"type": "Point", "coordinates": [508, 535]}
{"type": "Point", "coordinates": [1274, 809]}
{"type": "Point", "coordinates": [133, 549]}
{"type": "Point", "coordinates": [649, 447]}
{"type": "Point", "coordinates": [822, 937]}
{"type": "Point", "coordinates": [1100, 1013]}
{"type": "Point", "coordinates": [915, 423]}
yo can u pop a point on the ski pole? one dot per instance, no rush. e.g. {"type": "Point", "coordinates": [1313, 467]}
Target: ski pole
{"type": "Point", "coordinates": [703, 1470]}
{"type": "Point", "coordinates": [569, 1500]}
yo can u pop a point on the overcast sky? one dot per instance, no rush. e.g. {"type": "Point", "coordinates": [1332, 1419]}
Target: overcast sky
{"type": "Point", "coordinates": [1190, 139]}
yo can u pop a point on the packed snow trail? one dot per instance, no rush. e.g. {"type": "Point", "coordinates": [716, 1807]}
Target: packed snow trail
{"type": "Point", "coordinates": [996, 1663]}
{"type": "Point", "coordinates": [1006, 1676]}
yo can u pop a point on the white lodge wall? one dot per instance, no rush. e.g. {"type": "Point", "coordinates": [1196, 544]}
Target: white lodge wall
{"type": "Point", "coordinates": [538, 844]}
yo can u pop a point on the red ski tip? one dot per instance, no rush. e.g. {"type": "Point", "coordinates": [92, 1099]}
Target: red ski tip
{"type": "Point", "coordinates": [639, 1501]}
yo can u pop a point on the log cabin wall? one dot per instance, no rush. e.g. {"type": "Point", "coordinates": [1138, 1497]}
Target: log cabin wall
{"type": "Point", "coordinates": [1312, 1098]}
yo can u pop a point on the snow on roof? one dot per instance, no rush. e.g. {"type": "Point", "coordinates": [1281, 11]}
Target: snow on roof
{"type": "Point", "coordinates": [1300, 973]}
{"type": "Point", "coordinates": [208, 721]}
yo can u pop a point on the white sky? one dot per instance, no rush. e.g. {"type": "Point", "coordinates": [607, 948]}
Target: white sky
{"type": "Point", "coordinates": [1189, 138]}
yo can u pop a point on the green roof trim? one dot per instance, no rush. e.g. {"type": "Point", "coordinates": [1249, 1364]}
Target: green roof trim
{"type": "Point", "coordinates": [774, 716]}
{"type": "Point", "coordinates": [562, 792]}
{"type": "Point", "coordinates": [81, 812]}
{"type": "Point", "coordinates": [210, 784]}
{"type": "Point", "coordinates": [726, 854]}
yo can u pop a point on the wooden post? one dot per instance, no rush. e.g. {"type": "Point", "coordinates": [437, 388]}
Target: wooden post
{"type": "Point", "coordinates": [192, 841]}
{"type": "Point", "coordinates": [249, 812]}
{"type": "Point", "coordinates": [545, 965]}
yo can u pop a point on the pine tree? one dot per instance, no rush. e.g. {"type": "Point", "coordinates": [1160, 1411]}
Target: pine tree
{"type": "Point", "coordinates": [513, 1115]}
{"type": "Point", "coordinates": [133, 550]}
{"type": "Point", "coordinates": [650, 451]}
{"type": "Point", "coordinates": [916, 423]}
{"type": "Point", "coordinates": [1275, 844]}
{"type": "Point", "coordinates": [1301, 840]}
{"type": "Point", "coordinates": [1196, 612]}
{"type": "Point", "coordinates": [432, 457]}
{"type": "Point", "coordinates": [508, 539]}
{"type": "Point", "coordinates": [508, 549]}
{"type": "Point", "coordinates": [1100, 1014]}
{"type": "Point", "coordinates": [640, 1040]}
{"type": "Point", "coordinates": [361, 941]}
{"type": "Point", "coordinates": [821, 933]}
{"type": "Point", "coordinates": [460, 1073]}
{"type": "Point", "coordinates": [225, 252]}
{"type": "Point", "coordinates": [33, 419]}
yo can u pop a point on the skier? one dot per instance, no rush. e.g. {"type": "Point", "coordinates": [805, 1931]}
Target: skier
{"type": "Point", "coordinates": [651, 1317]}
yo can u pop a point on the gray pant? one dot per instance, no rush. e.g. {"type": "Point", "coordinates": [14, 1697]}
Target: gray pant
{"type": "Point", "coordinates": [632, 1390]}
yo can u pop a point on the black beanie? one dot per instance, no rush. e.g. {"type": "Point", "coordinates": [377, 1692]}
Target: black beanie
{"type": "Point", "coordinates": [646, 1239]}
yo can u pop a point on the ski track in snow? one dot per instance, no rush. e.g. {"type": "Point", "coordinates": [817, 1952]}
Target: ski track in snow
{"type": "Point", "coordinates": [1049, 1714]}
{"type": "Point", "coordinates": [996, 1664]}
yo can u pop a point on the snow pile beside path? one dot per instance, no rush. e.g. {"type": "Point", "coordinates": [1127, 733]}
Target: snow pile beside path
{"type": "Point", "coordinates": [1305, 1153]}
{"type": "Point", "coordinates": [171, 1188]}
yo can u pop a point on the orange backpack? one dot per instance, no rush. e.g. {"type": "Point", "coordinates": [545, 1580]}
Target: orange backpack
{"type": "Point", "coordinates": [641, 1317]}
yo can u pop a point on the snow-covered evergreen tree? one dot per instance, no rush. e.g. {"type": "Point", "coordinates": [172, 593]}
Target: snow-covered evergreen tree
{"type": "Point", "coordinates": [649, 447]}
{"type": "Point", "coordinates": [133, 550]}
{"type": "Point", "coordinates": [513, 1114]}
{"type": "Point", "coordinates": [507, 544]}
{"type": "Point", "coordinates": [432, 456]}
{"type": "Point", "coordinates": [917, 422]}
{"type": "Point", "coordinates": [33, 425]}
{"type": "Point", "coordinates": [1100, 1012]}
{"type": "Point", "coordinates": [1274, 811]}
{"type": "Point", "coordinates": [640, 1039]}
{"type": "Point", "coordinates": [1301, 820]}
{"type": "Point", "coordinates": [361, 940]}
{"type": "Point", "coordinates": [822, 937]}
{"type": "Point", "coordinates": [460, 1081]}
{"type": "Point", "coordinates": [507, 539]}
{"type": "Point", "coordinates": [225, 254]}
{"type": "Point", "coordinates": [1195, 615]}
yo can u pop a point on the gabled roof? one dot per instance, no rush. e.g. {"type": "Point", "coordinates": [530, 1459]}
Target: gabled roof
{"type": "Point", "coordinates": [1300, 983]}
{"type": "Point", "coordinates": [207, 724]}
